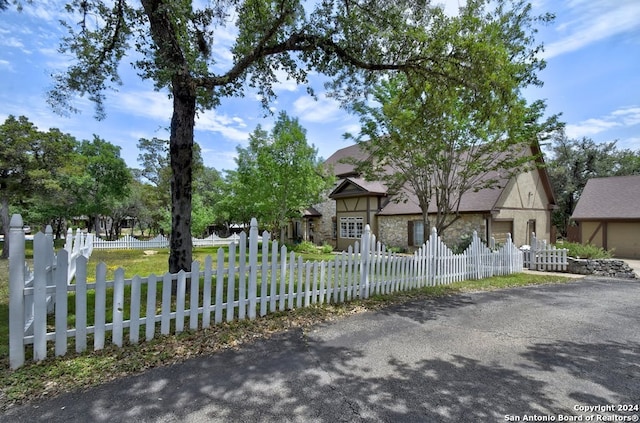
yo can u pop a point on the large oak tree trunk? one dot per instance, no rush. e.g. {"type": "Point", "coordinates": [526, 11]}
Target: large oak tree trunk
{"type": "Point", "coordinates": [181, 154]}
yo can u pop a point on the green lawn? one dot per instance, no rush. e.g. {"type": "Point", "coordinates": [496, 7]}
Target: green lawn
{"type": "Point", "coordinates": [92, 368]}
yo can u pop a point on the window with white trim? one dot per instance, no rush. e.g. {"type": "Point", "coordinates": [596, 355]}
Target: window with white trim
{"type": "Point", "coordinates": [351, 227]}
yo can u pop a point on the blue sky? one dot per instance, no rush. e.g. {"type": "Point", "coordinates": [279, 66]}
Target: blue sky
{"type": "Point", "coordinates": [592, 77]}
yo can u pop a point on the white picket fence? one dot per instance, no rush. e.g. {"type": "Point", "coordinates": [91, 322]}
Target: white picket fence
{"type": "Point", "coordinates": [543, 257]}
{"type": "Point", "coordinates": [244, 285]}
{"type": "Point", "coordinates": [36, 301]}
{"type": "Point", "coordinates": [129, 242]}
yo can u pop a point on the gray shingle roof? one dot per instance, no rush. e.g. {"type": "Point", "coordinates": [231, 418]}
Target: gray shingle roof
{"type": "Point", "coordinates": [616, 197]}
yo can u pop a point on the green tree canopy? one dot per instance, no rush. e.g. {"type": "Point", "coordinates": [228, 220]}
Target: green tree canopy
{"type": "Point", "coordinates": [439, 136]}
{"type": "Point", "coordinates": [351, 41]}
{"type": "Point", "coordinates": [106, 180]}
{"type": "Point", "coordinates": [279, 174]}
{"type": "Point", "coordinates": [31, 165]}
{"type": "Point", "coordinates": [573, 162]}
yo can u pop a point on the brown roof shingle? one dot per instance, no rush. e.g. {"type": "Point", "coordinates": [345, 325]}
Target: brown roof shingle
{"type": "Point", "coordinates": [481, 201]}
{"type": "Point", "coordinates": [615, 197]}
{"type": "Point", "coordinates": [351, 153]}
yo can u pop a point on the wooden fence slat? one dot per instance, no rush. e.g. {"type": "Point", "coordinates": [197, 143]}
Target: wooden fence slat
{"type": "Point", "coordinates": [165, 319]}
{"type": "Point", "coordinates": [231, 283]}
{"type": "Point", "coordinates": [118, 306]}
{"type": "Point", "coordinates": [292, 260]}
{"type": "Point", "coordinates": [322, 287]}
{"type": "Point", "coordinates": [253, 270]}
{"type": "Point", "coordinates": [264, 275]}
{"type": "Point", "coordinates": [220, 283]}
{"type": "Point", "coordinates": [40, 266]}
{"type": "Point", "coordinates": [308, 290]}
{"type": "Point", "coordinates": [194, 296]}
{"type": "Point", "coordinates": [81, 304]}
{"type": "Point", "coordinates": [61, 302]}
{"type": "Point", "coordinates": [274, 268]}
{"type": "Point", "coordinates": [242, 279]}
{"type": "Point", "coordinates": [134, 315]}
{"type": "Point", "coordinates": [100, 306]}
{"type": "Point", "coordinates": [283, 277]}
{"type": "Point", "coordinates": [180, 300]}
{"type": "Point", "coordinates": [206, 292]}
{"type": "Point", "coordinates": [299, 290]}
{"type": "Point", "coordinates": [341, 269]}
{"type": "Point", "coordinates": [150, 324]}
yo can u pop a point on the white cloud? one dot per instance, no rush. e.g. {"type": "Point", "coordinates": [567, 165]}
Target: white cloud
{"type": "Point", "coordinates": [623, 117]}
{"type": "Point", "coordinates": [6, 65]}
{"type": "Point", "coordinates": [590, 22]}
{"type": "Point", "coordinates": [11, 42]}
{"type": "Point", "coordinates": [630, 115]}
{"type": "Point", "coordinates": [151, 104]}
{"type": "Point", "coordinates": [322, 110]}
{"type": "Point", "coordinates": [589, 127]}
{"type": "Point", "coordinates": [285, 82]}
{"type": "Point", "coordinates": [46, 10]}
{"type": "Point", "coordinates": [353, 129]}
{"type": "Point", "coordinates": [229, 127]}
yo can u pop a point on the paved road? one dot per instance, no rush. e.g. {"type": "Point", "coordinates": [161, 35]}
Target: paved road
{"type": "Point", "coordinates": [481, 357]}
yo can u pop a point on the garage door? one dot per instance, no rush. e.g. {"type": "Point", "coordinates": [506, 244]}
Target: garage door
{"type": "Point", "coordinates": [625, 238]}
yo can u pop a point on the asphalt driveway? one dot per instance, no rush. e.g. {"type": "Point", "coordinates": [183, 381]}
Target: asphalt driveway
{"type": "Point", "coordinates": [566, 351]}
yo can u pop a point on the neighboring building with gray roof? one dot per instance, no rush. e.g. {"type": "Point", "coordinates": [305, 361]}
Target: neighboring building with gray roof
{"type": "Point", "coordinates": [520, 205]}
{"type": "Point", "coordinates": [608, 214]}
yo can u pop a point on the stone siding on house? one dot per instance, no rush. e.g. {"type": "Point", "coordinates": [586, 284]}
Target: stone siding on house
{"type": "Point", "coordinates": [393, 230]}
{"type": "Point", "coordinates": [323, 226]}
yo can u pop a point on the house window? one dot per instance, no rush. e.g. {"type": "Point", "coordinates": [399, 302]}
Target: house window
{"type": "Point", "coordinates": [418, 233]}
{"type": "Point", "coordinates": [351, 227]}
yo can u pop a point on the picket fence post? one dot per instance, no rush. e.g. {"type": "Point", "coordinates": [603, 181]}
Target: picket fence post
{"type": "Point", "coordinates": [533, 252]}
{"type": "Point", "coordinates": [364, 262]}
{"type": "Point", "coordinates": [16, 291]}
{"type": "Point", "coordinates": [253, 267]}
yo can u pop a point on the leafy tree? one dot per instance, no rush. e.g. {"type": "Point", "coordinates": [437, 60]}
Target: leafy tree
{"type": "Point", "coordinates": [438, 137]}
{"type": "Point", "coordinates": [107, 178]}
{"type": "Point", "coordinates": [154, 158]}
{"type": "Point", "coordinates": [351, 41]}
{"type": "Point", "coordinates": [574, 161]}
{"type": "Point", "coordinates": [279, 174]}
{"type": "Point", "coordinates": [31, 162]}
{"type": "Point", "coordinates": [209, 188]}
{"type": "Point", "coordinates": [232, 207]}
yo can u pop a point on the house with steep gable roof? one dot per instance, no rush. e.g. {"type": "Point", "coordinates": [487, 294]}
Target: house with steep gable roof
{"type": "Point", "coordinates": [608, 214]}
{"type": "Point", "coordinates": [519, 205]}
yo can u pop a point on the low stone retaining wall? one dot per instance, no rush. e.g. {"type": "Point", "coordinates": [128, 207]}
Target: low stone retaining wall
{"type": "Point", "coordinates": [601, 267]}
